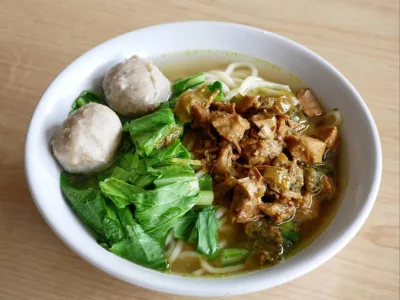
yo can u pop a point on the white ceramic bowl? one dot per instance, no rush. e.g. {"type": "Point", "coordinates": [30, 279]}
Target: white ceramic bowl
{"type": "Point", "coordinates": [361, 149]}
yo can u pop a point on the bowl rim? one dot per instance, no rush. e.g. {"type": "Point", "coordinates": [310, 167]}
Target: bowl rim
{"type": "Point", "coordinates": [225, 285]}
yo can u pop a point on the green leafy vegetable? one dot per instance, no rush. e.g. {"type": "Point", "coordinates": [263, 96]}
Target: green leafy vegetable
{"type": "Point", "coordinates": [172, 174]}
{"type": "Point", "coordinates": [135, 176]}
{"type": "Point", "coordinates": [126, 143]}
{"type": "Point", "coordinates": [163, 156]}
{"type": "Point", "coordinates": [290, 231]}
{"type": "Point", "coordinates": [193, 236]}
{"type": "Point", "coordinates": [120, 174]}
{"type": "Point", "coordinates": [169, 104]}
{"type": "Point", "coordinates": [207, 232]}
{"type": "Point", "coordinates": [217, 86]}
{"type": "Point", "coordinates": [159, 208]}
{"type": "Point", "coordinates": [205, 198]}
{"type": "Point", "coordinates": [149, 132]}
{"type": "Point", "coordinates": [292, 236]}
{"type": "Point", "coordinates": [184, 225]}
{"type": "Point", "coordinates": [119, 192]}
{"type": "Point", "coordinates": [147, 122]}
{"type": "Point", "coordinates": [103, 175]}
{"type": "Point", "coordinates": [143, 181]}
{"type": "Point", "coordinates": [127, 161]}
{"type": "Point", "coordinates": [182, 85]}
{"type": "Point", "coordinates": [139, 172]}
{"type": "Point", "coordinates": [135, 170]}
{"type": "Point", "coordinates": [125, 127]}
{"type": "Point", "coordinates": [84, 98]}
{"type": "Point", "coordinates": [205, 183]}
{"type": "Point", "coordinates": [92, 208]}
{"type": "Point", "coordinates": [139, 247]}
{"type": "Point", "coordinates": [116, 226]}
{"type": "Point", "coordinates": [233, 256]}
{"type": "Point", "coordinates": [206, 191]}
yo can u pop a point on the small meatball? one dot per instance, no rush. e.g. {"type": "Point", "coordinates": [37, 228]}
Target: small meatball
{"type": "Point", "coordinates": [266, 124]}
{"type": "Point", "coordinates": [257, 152]}
{"type": "Point", "coordinates": [306, 149]}
{"type": "Point", "coordinates": [88, 139]}
{"type": "Point", "coordinates": [230, 126]}
{"type": "Point", "coordinates": [329, 135]}
{"type": "Point", "coordinates": [309, 103]}
{"type": "Point", "coordinates": [135, 87]}
{"type": "Point", "coordinates": [278, 212]}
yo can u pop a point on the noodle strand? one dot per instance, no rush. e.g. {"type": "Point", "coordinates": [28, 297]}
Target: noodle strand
{"type": "Point", "coordinates": [240, 82]}
{"type": "Point", "coordinates": [174, 255]}
{"type": "Point", "coordinates": [198, 272]}
{"type": "Point", "coordinates": [213, 270]}
{"type": "Point", "coordinates": [171, 248]}
{"type": "Point", "coordinates": [220, 212]}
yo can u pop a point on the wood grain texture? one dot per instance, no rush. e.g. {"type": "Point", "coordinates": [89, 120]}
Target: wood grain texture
{"type": "Point", "coordinates": [39, 38]}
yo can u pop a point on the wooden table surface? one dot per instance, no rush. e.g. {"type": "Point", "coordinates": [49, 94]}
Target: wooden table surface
{"type": "Point", "coordinates": [39, 38]}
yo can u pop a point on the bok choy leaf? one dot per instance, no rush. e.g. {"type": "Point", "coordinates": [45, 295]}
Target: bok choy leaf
{"type": "Point", "coordinates": [184, 225]}
{"type": "Point", "coordinates": [138, 246]}
{"type": "Point", "coordinates": [160, 208]}
{"type": "Point", "coordinates": [217, 86]}
{"type": "Point", "coordinates": [121, 193]}
{"type": "Point", "coordinates": [207, 232]}
{"type": "Point", "coordinates": [149, 132]}
{"type": "Point", "coordinates": [84, 98]}
{"type": "Point", "coordinates": [233, 256]}
{"type": "Point", "coordinates": [92, 208]}
{"type": "Point", "coordinates": [182, 85]}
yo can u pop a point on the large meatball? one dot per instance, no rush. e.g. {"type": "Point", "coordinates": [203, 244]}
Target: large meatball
{"type": "Point", "coordinates": [88, 139]}
{"type": "Point", "coordinates": [135, 87]}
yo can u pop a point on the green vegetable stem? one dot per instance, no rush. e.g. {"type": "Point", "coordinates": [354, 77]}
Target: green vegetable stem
{"type": "Point", "coordinates": [182, 85]}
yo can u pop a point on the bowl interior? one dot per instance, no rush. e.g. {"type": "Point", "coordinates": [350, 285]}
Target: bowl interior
{"type": "Point", "coordinates": [361, 149]}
